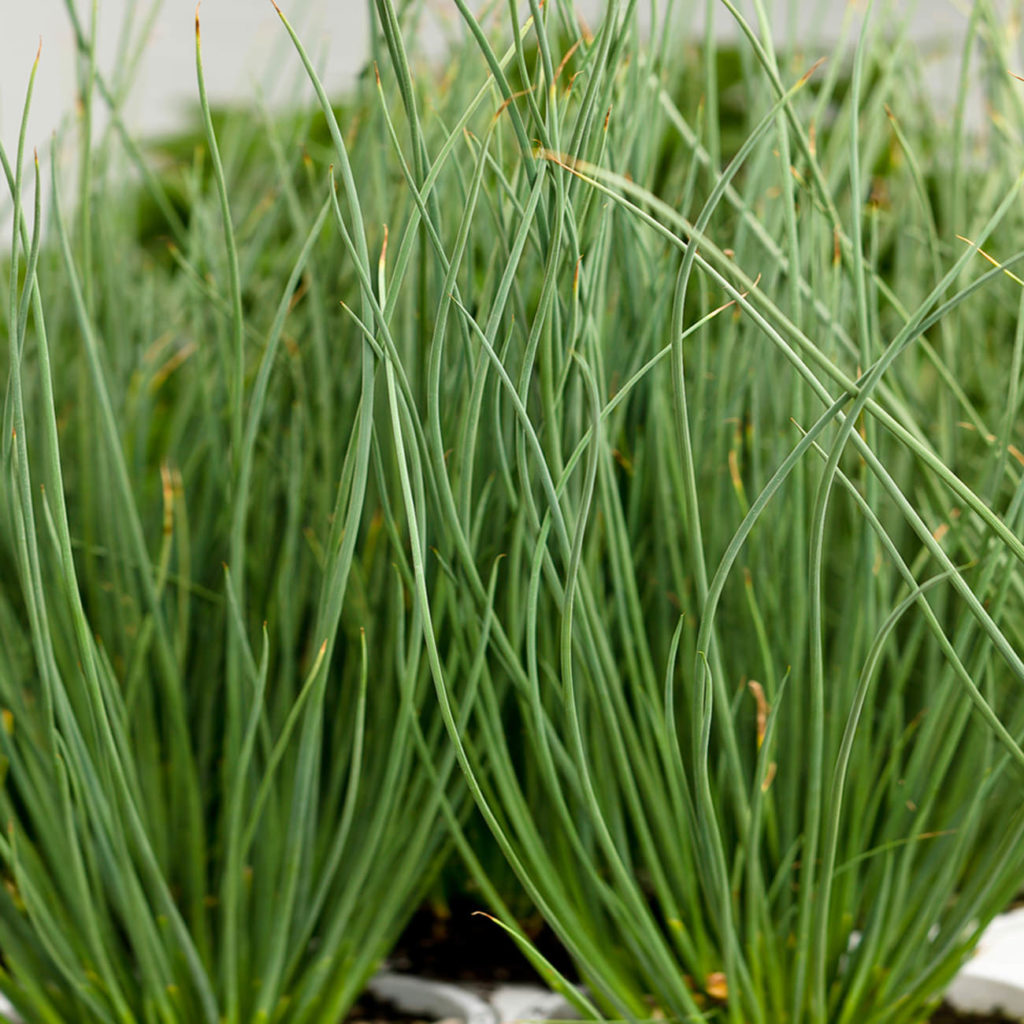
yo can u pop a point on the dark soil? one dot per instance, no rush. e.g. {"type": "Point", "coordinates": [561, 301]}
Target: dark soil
{"type": "Point", "coordinates": [945, 1015]}
{"type": "Point", "coordinates": [458, 943]}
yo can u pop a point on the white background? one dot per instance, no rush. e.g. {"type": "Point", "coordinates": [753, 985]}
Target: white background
{"type": "Point", "coordinates": [245, 49]}
{"type": "Point", "coordinates": [243, 42]}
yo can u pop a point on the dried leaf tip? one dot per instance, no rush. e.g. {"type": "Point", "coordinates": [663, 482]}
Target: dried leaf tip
{"type": "Point", "coordinates": [39, 50]}
{"type": "Point", "coordinates": [762, 710]}
{"type": "Point", "coordinates": [197, 21]}
{"type": "Point", "coordinates": [810, 71]}
{"type": "Point", "coordinates": [278, 9]}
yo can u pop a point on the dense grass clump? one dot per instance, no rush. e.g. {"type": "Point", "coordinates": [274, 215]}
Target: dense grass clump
{"type": "Point", "coordinates": [211, 675]}
{"type": "Point", "coordinates": [631, 425]}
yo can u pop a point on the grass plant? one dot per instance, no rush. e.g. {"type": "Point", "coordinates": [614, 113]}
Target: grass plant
{"type": "Point", "coordinates": [719, 453]}
{"type": "Point", "coordinates": [618, 431]}
{"type": "Point", "coordinates": [210, 675]}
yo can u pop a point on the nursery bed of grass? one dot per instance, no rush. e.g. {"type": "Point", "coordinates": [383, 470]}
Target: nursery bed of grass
{"type": "Point", "coordinates": [593, 465]}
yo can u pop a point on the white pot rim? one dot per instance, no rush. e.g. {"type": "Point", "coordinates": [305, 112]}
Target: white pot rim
{"type": "Point", "coordinates": [992, 981]}
{"type": "Point", "coordinates": [437, 1000]}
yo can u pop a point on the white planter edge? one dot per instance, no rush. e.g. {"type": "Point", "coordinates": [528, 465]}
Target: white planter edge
{"type": "Point", "coordinates": [435, 1000]}
{"type": "Point", "coordinates": [992, 981]}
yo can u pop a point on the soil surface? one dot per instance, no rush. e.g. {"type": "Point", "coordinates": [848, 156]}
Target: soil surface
{"type": "Point", "coordinates": [459, 943]}
{"type": "Point", "coordinates": [945, 1015]}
